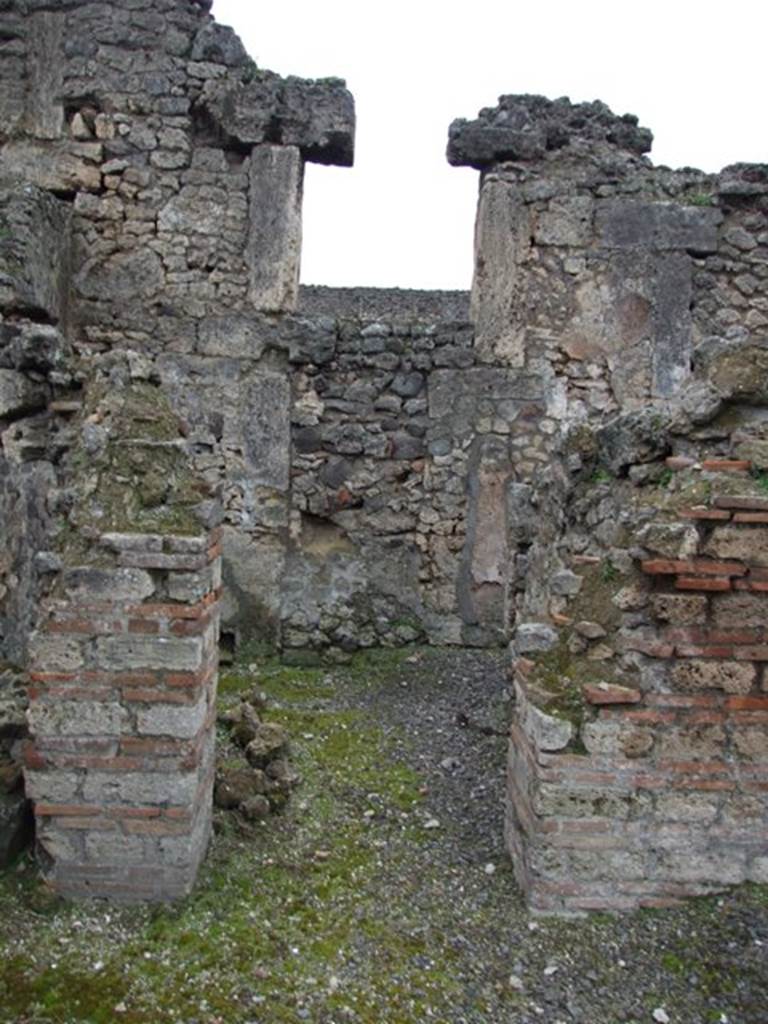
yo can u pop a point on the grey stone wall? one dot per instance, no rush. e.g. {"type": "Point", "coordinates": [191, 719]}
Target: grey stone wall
{"type": "Point", "coordinates": [345, 452]}
{"type": "Point", "coordinates": [384, 303]}
{"type": "Point", "coordinates": [372, 450]}
{"type": "Point", "coordinates": [35, 242]}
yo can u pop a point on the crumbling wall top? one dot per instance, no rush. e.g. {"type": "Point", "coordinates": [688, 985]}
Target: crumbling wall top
{"type": "Point", "coordinates": [316, 116]}
{"type": "Point", "coordinates": [165, 58]}
{"type": "Point", "coordinates": [527, 128]}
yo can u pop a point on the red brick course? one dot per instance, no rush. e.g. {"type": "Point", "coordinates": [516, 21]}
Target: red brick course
{"type": "Point", "coordinates": [692, 567]}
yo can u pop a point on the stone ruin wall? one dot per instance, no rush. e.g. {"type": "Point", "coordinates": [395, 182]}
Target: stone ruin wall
{"type": "Point", "coordinates": [151, 195]}
{"type": "Point", "coordinates": [638, 758]}
{"type": "Point", "coordinates": [182, 169]}
{"type": "Point", "coordinates": [380, 467]}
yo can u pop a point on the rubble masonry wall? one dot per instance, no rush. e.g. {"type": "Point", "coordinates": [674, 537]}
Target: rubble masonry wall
{"type": "Point", "coordinates": [381, 467]}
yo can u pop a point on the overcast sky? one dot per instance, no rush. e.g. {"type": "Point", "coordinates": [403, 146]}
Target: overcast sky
{"type": "Point", "coordinates": [692, 70]}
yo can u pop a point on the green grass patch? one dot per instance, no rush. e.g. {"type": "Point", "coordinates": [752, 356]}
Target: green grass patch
{"type": "Point", "coordinates": [278, 915]}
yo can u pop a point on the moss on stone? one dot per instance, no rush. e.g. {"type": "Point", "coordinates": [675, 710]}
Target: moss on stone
{"type": "Point", "coordinates": [582, 440]}
{"type": "Point", "coordinates": [693, 487]}
{"type": "Point", "coordinates": [137, 479]}
{"type": "Point", "coordinates": [594, 601]}
{"type": "Point", "coordinates": [556, 685]}
{"type": "Point", "coordinates": [554, 690]}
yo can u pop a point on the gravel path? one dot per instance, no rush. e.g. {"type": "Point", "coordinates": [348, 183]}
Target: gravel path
{"type": "Point", "coordinates": [706, 962]}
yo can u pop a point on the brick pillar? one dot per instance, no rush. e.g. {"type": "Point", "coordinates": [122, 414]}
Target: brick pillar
{"type": "Point", "coordinates": [122, 713]}
{"type": "Point", "coordinates": [660, 792]}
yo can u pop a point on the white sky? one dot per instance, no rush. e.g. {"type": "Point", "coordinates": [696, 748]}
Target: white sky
{"type": "Point", "coordinates": [694, 71]}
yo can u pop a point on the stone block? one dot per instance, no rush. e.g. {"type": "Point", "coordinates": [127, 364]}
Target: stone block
{"type": "Point", "coordinates": [566, 801]}
{"type": "Point", "coordinates": [523, 128]}
{"type": "Point", "coordinates": [219, 44]}
{"type": "Point", "coordinates": [745, 544]}
{"type": "Point", "coordinates": [566, 222]}
{"type": "Point", "coordinates": [479, 145]}
{"type": "Point", "coordinates": [51, 787]}
{"type": "Point", "coordinates": [631, 598]}
{"type": "Point", "coordinates": [609, 865]}
{"type": "Point", "coordinates": [45, 68]}
{"type": "Point", "coordinates": [191, 213]}
{"type": "Point", "coordinates": [52, 167]}
{"type": "Point", "coordinates": [632, 437]}
{"type": "Point", "coordinates": [239, 337]}
{"type": "Point", "coordinates": [737, 367]}
{"type": "Point", "coordinates": [177, 721]}
{"type": "Point", "coordinates": [672, 324]}
{"type": "Point", "coordinates": [698, 674]}
{"type": "Point", "coordinates": [49, 653]}
{"type": "Point", "coordinates": [744, 810]}
{"type": "Point", "coordinates": [181, 850]}
{"type": "Point", "coordinates": [566, 583]}
{"type": "Point", "coordinates": [140, 789]}
{"type": "Point", "coordinates": [99, 585]}
{"type": "Point", "coordinates": [714, 869]}
{"type": "Point", "coordinates": [617, 738]}
{"type": "Point", "coordinates": [698, 808]}
{"type": "Point", "coordinates": [125, 653]}
{"type": "Point", "coordinates": [477, 384]}
{"type": "Point", "coordinates": [140, 542]}
{"type": "Point", "coordinates": [692, 743]}
{"type": "Point", "coordinates": [182, 544]}
{"type": "Point", "coordinates": [680, 609]}
{"type": "Point", "coordinates": [318, 118]}
{"type": "Point", "coordinates": [739, 609]}
{"type": "Point", "coordinates": [485, 563]}
{"type": "Point", "coordinates": [34, 252]}
{"type": "Point", "coordinates": [630, 223]}
{"type": "Point", "coordinates": [274, 241]}
{"type": "Point", "coordinates": [502, 244]}
{"type": "Point", "coordinates": [19, 395]}
{"type": "Point", "coordinates": [260, 423]}
{"type": "Point", "coordinates": [13, 94]}
{"type": "Point", "coordinates": [545, 731]}
{"type": "Point", "coordinates": [116, 848]}
{"type": "Point", "coordinates": [76, 718]}
{"type": "Point", "coordinates": [751, 743]}
{"type": "Point", "coordinates": [254, 571]}
{"type": "Point", "coordinates": [190, 587]}
{"type": "Point", "coordinates": [31, 347]}
{"type": "Point", "coordinates": [755, 451]}
{"type": "Point", "coordinates": [61, 845]}
{"type": "Point", "coordinates": [534, 637]}
{"type": "Point", "coordinates": [124, 277]}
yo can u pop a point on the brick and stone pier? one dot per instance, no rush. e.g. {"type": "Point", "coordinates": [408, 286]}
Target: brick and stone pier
{"type": "Point", "coordinates": [124, 672]}
{"type": "Point", "coordinates": [656, 789]}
